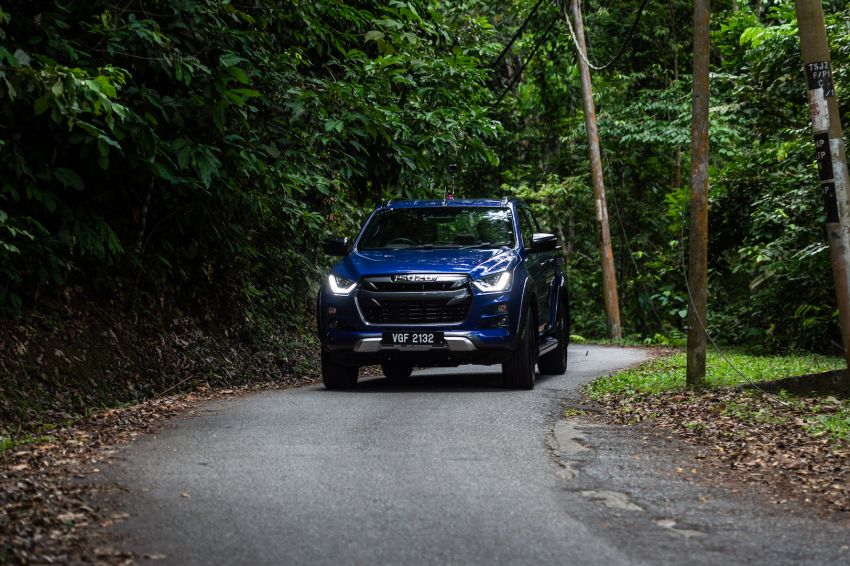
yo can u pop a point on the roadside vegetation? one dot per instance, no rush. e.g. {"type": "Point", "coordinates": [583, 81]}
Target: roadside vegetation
{"type": "Point", "coordinates": [667, 372]}
{"type": "Point", "coordinates": [47, 481]}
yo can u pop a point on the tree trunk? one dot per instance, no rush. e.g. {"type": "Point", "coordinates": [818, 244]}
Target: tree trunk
{"type": "Point", "coordinates": [698, 240]}
{"type": "Point", "coordinates": [829, 149]}
{"type": "Point", "coordinates": [609, 277]}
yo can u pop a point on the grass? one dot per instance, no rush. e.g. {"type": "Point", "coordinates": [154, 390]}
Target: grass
{"type": "Point", "coordinates": [835, 426]}
{"type": "Point", "coordinates": [668, 372]}
{"type": "Point", "coordinates": [570, 412]}
{"type": "Point", "coordinates": [10, 443]}
{"type": "Point", "coordinates": [749, 412]}
{"type": "Point", "coordinates": [829, 418]}
{"type": "Point", "coordinates": [674, 339]}
{"type": "Point", "coordinates": [629, 341]}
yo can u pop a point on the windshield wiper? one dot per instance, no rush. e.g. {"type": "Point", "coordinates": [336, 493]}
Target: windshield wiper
{"type": "Point", "coordinates": [483, 245]}
{"type": "Point", "coordinates": [434, 247]}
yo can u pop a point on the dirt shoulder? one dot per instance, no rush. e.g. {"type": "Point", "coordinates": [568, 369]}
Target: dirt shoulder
{"type": "Point", "coordinates": [83, 376]}
{"type": "Point", "coordinates": [791, 448]}
{"type": "Point", "coordinates": [47, 486]}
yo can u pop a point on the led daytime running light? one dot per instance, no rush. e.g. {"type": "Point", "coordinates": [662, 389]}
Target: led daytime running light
{"type": "Point", "coordinates": [341, 285]}
{"type": "Point", "coordinates": [494, 283]}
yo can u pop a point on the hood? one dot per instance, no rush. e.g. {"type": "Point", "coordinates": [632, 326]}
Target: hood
{"type": "Point", "coordinates": [474, 262]}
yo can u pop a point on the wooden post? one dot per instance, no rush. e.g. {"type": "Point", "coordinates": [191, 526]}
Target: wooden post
{"type": "Point", "coordinates": [609, 277]}
{"type": "Point", "coordinates": [829, 151]}
{"type": "Point", "coordinates": [698, 237]}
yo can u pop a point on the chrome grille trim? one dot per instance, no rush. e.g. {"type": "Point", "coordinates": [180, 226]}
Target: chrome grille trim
{"type": "Point", "coordinates": [413, 299]}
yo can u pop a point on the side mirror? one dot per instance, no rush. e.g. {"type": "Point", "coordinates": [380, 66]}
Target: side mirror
{"type": "Point", "coordinates": [543, 242]}
{"type": "Point", "coordinates": [335, 246]}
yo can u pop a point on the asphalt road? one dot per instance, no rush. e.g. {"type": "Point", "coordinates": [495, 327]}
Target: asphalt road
{"type": "Point", "coordinates": [448, 470]}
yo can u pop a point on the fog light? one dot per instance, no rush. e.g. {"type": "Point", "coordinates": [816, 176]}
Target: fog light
{"type": "Point", "coordinates": [331, 310]}
{"type": "Point", "coordinates": [502, 309]}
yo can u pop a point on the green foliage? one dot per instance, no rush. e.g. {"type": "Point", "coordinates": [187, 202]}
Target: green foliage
{"type": "Point", "coordinates": [766, 220]}
{"type": "Point", "coordinates": [202, 148]}
{"type": "Point", "coordinates": [643, 108]}
{"type": "Point", "coordinates": [835, 426]}
{"type": "Point", "coordinates": [200, 144]}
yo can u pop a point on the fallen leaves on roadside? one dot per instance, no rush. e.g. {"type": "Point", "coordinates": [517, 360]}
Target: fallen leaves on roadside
{"type": "Point", "coordinates": [751, 437]}
{"type": "Point", "coordinates": [46, 512]}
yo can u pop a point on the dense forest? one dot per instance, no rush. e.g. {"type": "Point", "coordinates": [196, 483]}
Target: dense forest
{"type": "Point", "coordinates": [191, 154]}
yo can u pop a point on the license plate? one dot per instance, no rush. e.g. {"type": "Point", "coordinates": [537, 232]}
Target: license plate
{"type": "Point", "coordinates": [407, 338]}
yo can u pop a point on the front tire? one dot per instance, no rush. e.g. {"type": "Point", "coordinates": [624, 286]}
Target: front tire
{"type": "Point", "coordinates": [518, 370]}
{"type": "Point", "coordinates": [555, 362]}
{"type": "Point", "coordinates": [336, 375]}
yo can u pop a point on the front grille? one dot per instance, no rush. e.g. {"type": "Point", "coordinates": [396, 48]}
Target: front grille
{"type": "Point", "coordinates": [411, 287]}
{"type": "Point", "coordinates": [412, 312]}
{"type": "Point", "coordinates": [445, 299]}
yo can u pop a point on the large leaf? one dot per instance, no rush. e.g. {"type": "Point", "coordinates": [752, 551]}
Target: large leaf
{"type": "Point", "coordinates": [68, 178]}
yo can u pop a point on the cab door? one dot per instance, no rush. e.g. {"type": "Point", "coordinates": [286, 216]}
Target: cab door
{"type": "Point", "coordinates": [541, 268]}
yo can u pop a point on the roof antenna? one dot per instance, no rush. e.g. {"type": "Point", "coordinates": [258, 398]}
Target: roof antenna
{"type": "Point", "coordinates": [450, 193]}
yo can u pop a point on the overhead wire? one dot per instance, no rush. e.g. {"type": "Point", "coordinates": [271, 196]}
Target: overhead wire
{"type": "Point", "coordinates": [620, 51]}
{"type": "Point", "coordinates": [525, 64]}
{"type": "Point", "coordinates": [516, 35]}
{"type": "Point", "coordinates": [702, 324]}
{"type": "Point", "coordinates": [634, 262]}
{"type": "Point", "coordinates": [708, 335]}
{"type": "Point", "coordinates": [581, 53]}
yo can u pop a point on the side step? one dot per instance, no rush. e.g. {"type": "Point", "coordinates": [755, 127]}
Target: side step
{"type": "Point", "coordinates": [549, 344]}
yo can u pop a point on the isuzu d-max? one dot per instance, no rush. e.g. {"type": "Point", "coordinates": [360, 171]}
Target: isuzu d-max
{"type": "Point", "coordinates": [444, 283]}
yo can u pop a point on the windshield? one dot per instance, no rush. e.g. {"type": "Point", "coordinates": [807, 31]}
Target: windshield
{"type": "Point", "coordinates": [439, 227]}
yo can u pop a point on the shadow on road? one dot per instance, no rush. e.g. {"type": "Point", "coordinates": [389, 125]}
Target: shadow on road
{"type": "Point", "coordinates": [440, 383]}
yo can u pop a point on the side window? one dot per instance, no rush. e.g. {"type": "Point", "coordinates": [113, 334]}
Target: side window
{"type": "Point", "coordinates": [526, 226]}
{"type": "Point", "coordinates": [535, 225]}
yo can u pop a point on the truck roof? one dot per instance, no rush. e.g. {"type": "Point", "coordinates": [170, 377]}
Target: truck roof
{"type": "Point", "coordinates": [454, 202]}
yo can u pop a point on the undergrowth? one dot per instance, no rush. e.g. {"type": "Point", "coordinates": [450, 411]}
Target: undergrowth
{"type": "Point", "coordinates": [668, 372]}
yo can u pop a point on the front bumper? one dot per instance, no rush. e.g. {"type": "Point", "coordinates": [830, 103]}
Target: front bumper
{"type": "Point", "coordinates": [372, 345]}
{"type": "Point", "coordinates": [455, 340]}
{"type": "Point", "coordinates": [485, 347]}
{"type": "Point", "coordinates": [486, 335]}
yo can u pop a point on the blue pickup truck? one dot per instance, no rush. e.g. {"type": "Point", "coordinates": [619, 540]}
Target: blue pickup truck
{"type": "Point", "coordinates": [444, 283]}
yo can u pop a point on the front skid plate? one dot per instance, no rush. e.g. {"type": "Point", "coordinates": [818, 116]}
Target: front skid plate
{"type": "Point", "coordinates": [452, 344]}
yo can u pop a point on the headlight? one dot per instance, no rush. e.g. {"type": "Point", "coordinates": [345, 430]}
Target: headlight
{"type": "Point", "coordinates": [494, 283]}
{"type": "Point", "coordinates": [340, 285]}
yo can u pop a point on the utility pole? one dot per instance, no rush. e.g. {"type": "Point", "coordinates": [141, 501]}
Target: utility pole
{"type": "Point", "coordinates": [609, 277]}
{"type": "Point", "coordinates": [698, 237]}
{"type": "Point", "coordinates": [829, 151]}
